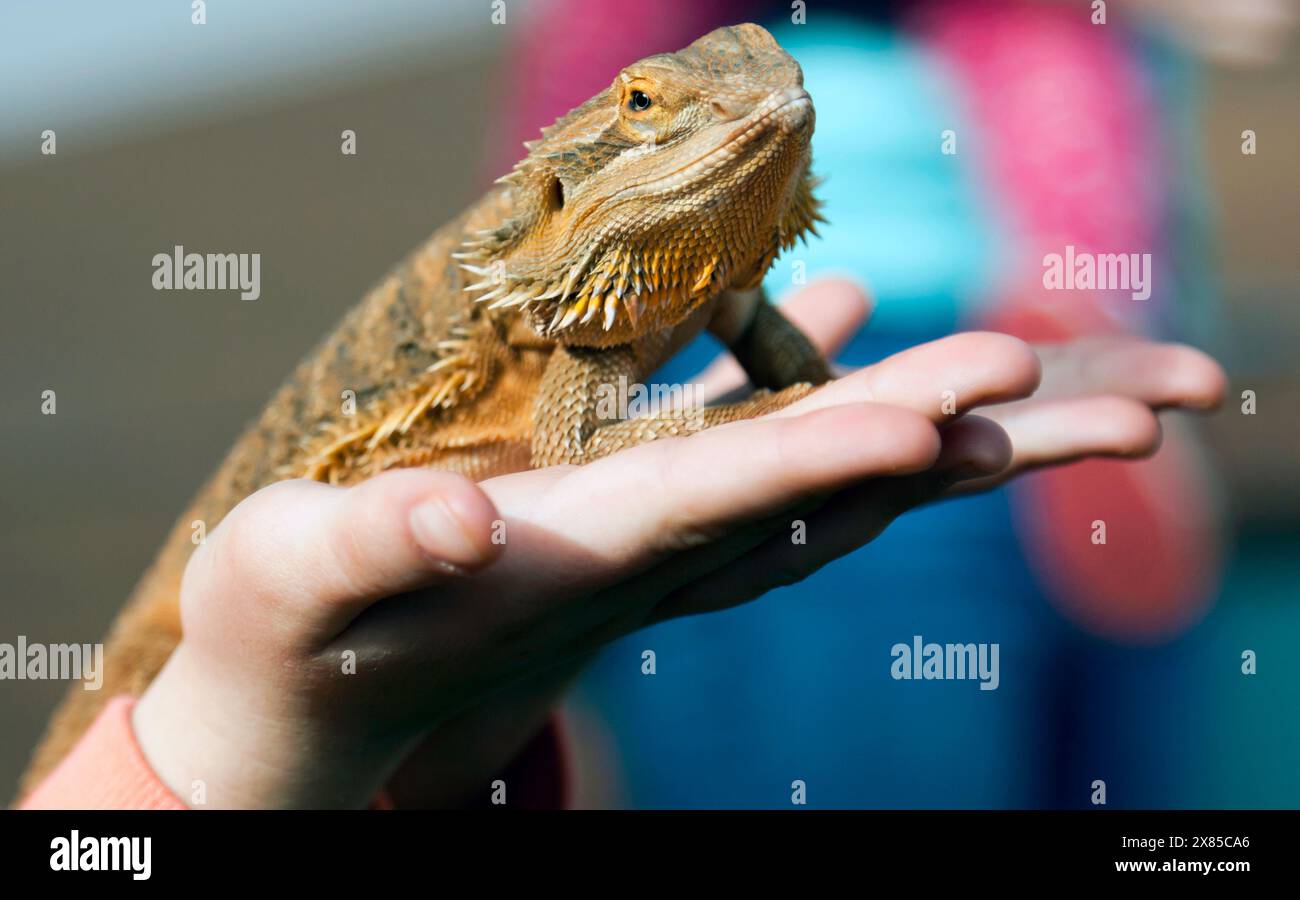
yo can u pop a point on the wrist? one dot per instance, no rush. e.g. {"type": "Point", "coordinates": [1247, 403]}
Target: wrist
{"type": "Point", "coordinates": [218, 746]}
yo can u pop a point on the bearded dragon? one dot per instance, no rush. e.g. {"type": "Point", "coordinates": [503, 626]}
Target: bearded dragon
{"type": "Point", "coordinates": [640, 218]}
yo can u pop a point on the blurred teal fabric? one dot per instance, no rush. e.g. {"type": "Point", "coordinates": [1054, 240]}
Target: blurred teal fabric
{"type": "Point", "coordinates": [903, 217]}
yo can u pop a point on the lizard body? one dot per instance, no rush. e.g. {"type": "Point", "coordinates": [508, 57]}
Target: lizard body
{"type": "Point", "coordinates": [645, 215]}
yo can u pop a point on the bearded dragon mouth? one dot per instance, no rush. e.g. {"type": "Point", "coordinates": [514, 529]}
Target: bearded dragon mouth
{"type": "Point", "coordinates": [791, 105]}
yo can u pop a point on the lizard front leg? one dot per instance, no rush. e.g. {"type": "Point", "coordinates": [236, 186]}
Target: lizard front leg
{"type": "Point", "coordinates": [772, 351]}
{"type": "Point", "coordinates": [574, 422]}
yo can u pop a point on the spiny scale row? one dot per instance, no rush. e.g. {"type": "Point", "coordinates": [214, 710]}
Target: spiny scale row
{"type": "Point", "coordinates": [623, 280]}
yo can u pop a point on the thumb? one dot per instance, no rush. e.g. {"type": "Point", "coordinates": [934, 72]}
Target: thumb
{"type": "Point", "coordinates": [302, 559]}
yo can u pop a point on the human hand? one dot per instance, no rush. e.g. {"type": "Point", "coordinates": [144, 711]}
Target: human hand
{"type": "Point", "coordinates": [255, 700]}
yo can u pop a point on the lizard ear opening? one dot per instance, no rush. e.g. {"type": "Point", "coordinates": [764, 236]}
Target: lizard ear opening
{"type": "Point", "coordinates": [556, 194]}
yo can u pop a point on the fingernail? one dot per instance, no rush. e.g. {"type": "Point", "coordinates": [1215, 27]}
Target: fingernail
{"type": "Point", "coordinates": [442, 535]}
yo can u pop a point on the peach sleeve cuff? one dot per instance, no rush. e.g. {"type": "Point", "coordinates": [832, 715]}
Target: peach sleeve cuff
{"type": "Point", "coordinates": [105, 770]}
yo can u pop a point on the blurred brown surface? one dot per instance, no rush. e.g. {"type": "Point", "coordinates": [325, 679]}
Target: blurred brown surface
{"type": "Point", "coordinates": [152, 387]}
{"type": "Point", "coordinates": [1257, 220]}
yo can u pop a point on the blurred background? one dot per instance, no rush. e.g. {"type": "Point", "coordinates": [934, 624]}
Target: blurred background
{"type": "Point", "coordinates": [1121, 663]}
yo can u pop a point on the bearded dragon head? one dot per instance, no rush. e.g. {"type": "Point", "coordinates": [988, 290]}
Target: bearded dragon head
{"type": "Point", "coordinates": [684, 178]}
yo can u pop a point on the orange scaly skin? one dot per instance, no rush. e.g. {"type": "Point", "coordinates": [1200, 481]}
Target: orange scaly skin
{"type": "Point", "coordinates": [648, 213]}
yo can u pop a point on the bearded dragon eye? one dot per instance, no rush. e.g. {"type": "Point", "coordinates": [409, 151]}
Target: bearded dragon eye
{"type": "Point", "coordinates": [639, 101]}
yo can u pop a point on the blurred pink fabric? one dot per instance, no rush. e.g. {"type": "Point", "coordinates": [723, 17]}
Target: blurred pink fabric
{"type": "Point", "coordinates": [1071, 146]}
